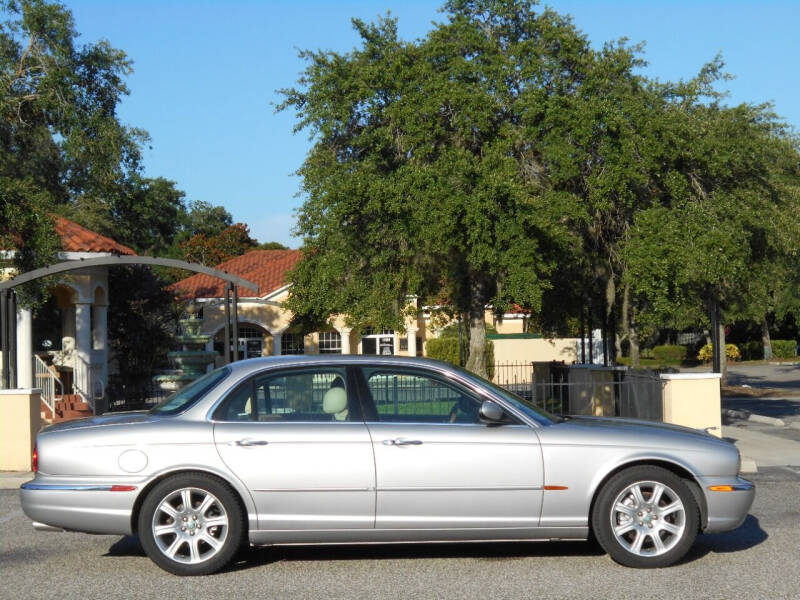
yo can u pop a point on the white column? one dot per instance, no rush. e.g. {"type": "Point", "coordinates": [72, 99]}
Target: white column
{"type": "Point", "coordinates": [83, 330]}
{"type": "Point", "coordinates": [412, 342]}
{"type": "Point", "coordinates": [24, 348]}
{"type": "Point", "coordinates": [100, 338]}
{"type": "Point", "coordinates": [345, 333]}
{"type": "Point", "coordinates": [100, 327]}
{"type": "Point", "coordinates": [276, 344]}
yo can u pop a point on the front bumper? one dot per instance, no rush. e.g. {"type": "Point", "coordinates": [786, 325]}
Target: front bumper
{"type": "Point", "coordinates": [91, 507]}
{"type": "Point", "coordinates": [726, 509]}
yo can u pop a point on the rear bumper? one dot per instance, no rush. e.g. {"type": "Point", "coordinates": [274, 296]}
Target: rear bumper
{"type": "Point", "coordinates": [89, 507]}
{"type": "Point", "coordinates": [727, 509]}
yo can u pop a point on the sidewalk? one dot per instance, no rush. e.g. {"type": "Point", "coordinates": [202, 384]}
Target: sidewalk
{"type": "Point", "coordinates": [11, 480]}
{"type": "Point", "coordinates": [765, 450]}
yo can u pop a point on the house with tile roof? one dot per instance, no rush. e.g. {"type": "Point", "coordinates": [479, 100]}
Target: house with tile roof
{"type": "Point", "coordinates": [265, 325]}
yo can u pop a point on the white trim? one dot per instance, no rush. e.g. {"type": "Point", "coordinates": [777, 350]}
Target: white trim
{"type": "Point", "coordinates": [277, 292]}
{"type": "Point", "coordinates": [83, 255]}
{"type": "Point", "coordinates": [691, 376]}
{"type": "Point", "coordinates": [20, 391]}
{"type": "Point", "coordinates": [242, 300]}
{"type": "Point", "coordinates": [10, 254]}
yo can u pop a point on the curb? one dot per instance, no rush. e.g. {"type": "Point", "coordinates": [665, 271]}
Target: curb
{"type": "Point", "coordinates": [748, 465]}
{"type": "Point", "coordinates": [766, 420]}
{"type": "Point", "coordinates": [11, 480]}
{"type": "Point", "coordinates": [795, 424]}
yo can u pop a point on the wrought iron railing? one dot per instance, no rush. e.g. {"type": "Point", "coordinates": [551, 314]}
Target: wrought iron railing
{"type": "Point", "coordinates": [48, 382]}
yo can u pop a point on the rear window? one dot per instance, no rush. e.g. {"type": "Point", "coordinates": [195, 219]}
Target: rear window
{"type": "Point", "coordinates": [185, 397]}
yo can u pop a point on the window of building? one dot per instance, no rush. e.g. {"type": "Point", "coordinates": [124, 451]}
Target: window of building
{"type": "Point", "coordinates": [330, 342]}
{"type": "Point", "coordinates": [373, 342]}
{"type": "Point", "coordinates": [292, 343]}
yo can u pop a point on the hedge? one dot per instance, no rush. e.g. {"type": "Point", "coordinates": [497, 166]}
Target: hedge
{"type": "Point", "coordinates": [669, 353]}
{"type": "Point", "coordinates": [446, 349]}
{"type": "Point", "coordinates": [784, 348]}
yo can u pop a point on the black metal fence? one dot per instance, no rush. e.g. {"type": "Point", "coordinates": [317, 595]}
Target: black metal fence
{"type": "Point", "coordinates": [575, 389]}
{"type": "Point", "coordinates": [138, 394]}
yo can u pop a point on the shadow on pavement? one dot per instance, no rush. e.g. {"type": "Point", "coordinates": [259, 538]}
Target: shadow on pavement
{"type": "Point", "coordinates": [748, 535]}
{"type": "Point", "coordinates": [487, 551]}
{"type": "Point", "coordinates": [126, 546]}
{"type": "Point", "coordinates": [769, 407]}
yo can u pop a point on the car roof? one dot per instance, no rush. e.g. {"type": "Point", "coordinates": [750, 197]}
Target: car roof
{"type": "Point", "coordinates": [254, 364]}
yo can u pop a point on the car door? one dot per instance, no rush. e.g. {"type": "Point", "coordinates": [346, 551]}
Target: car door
{"type": "Point", "coordinates": [297, 440]}
{"type": "Point", "coordinates": [437, 466]}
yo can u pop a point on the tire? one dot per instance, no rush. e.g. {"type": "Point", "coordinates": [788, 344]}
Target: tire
{"type": "Point", "coordinates": [639, 531]}
{"type": "Point", "coordinates": [191, 541]}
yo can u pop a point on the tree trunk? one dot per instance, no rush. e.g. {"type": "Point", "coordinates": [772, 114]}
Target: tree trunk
{"type": "Point", "coordinates": [476, 361]}
{"type": "Point", "coordinates": [629, 326]}
{"type": "Point", "coordinates": [609, 323]}
{"type": "Point", "coordinates": [765, 339]}
{"type": "Point", "coordinates": [718, 341]}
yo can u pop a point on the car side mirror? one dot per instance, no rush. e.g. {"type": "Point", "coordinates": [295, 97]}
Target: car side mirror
{"type": "Point", "coordinates": [491, 413]}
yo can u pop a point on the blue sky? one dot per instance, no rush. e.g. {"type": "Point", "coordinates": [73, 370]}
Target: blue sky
{"type": "Point", "coordinates": [206, 75]}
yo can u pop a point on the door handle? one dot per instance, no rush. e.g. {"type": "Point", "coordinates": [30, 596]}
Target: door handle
{"type": "Point", "coordinates": [402, 442]}
{"type": "Point", "coordinates": [248, 442]}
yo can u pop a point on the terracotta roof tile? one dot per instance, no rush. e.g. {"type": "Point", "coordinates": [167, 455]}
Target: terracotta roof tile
{"type": "Point", "coordinates": [75, 238]}
{"type": "Point", "coordinates": [266, 268]}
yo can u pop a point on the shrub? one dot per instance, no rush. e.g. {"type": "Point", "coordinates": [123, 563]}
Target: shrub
{"type": "Point", "coordinates": [731, 352]}
{"type": "Point", "coordinates": [446, 349]}
{"type": "Point", "coordinates": [752, 350]}
{"type": "Point", "coordinates": [441, 348]}
{"type": "Point", "coordinates": [706, 353]}
{"type": "Point", "coordinates": [784, 348]}
{"type": "Point", "coordinates": [669, 353]}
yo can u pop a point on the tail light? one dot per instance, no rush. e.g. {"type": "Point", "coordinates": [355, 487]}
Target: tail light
{"type": "Point", "coordinates": [35, 459]}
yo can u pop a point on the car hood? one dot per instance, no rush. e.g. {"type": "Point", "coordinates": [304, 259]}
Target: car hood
{"type": "Point", "coordinates": [122, 418]}
{"type": "Point", "coordinates": [615, 431]}
{"type": "Point", "coordinates": [607, 423]}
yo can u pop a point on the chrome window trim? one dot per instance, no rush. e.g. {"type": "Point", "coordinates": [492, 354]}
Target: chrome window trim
{"type": "Point", "coordinates": [343, 361]}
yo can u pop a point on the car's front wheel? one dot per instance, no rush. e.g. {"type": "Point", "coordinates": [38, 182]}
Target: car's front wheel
{"type": "Point", "coordinates": [645, 517]}
{"type": "Point", "coordinates": [191, 524]}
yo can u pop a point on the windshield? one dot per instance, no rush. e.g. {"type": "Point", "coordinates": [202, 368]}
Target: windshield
{"type": "Point", "coordinates": [186, 396]}
{"type": "Point", "coordinates": [526, 406]}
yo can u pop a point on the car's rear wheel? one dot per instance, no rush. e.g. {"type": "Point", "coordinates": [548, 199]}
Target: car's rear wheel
{"type": "Point", "coordinates": [645, 517]}
{"type": "Point", "coordinates": [191, 524]}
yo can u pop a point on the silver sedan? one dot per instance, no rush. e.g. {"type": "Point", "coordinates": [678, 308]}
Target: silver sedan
{"type": "Point", "coordinates": [356, 449]}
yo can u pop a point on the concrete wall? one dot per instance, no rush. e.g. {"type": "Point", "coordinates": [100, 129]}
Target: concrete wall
{"type": "Point", "coordinates": [693, 400]}
{"type": "Point", "coordinates": [21, 421]}
{"type": "Point", "coordinates": [513, 350]}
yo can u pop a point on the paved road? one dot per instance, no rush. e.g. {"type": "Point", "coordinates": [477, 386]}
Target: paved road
{"type": "Point", "coordinates": [775, 375]}
{"type": "Point", "coordinates": [759, 560]}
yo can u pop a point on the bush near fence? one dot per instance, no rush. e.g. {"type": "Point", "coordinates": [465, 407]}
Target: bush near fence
{"type": "Point", "coordinates": [446, 349]}
{"type": "Point", "coordinates": [669, 353]}
{"type": "Point", "coordinates": [784, 348]}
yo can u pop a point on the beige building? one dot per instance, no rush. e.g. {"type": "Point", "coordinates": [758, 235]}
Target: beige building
{"type": "Point", "coordinates": [265, 325]}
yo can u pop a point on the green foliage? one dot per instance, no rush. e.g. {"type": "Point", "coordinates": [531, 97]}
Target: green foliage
{"type": "Point", "coordinates": [59, 136]}
{"type": "Point", "coordinates": [752, 350]}
{"type": "Point", "coordinates": [446, 348]}
{"type": "Point", "coordinates": [141, 322]}
{"type": "Point", "coordinates": [443, 348]}
{"type": "Point", "coordinates": [671, 353]}
{"type": "Point", "coordinates": [784, 348]}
